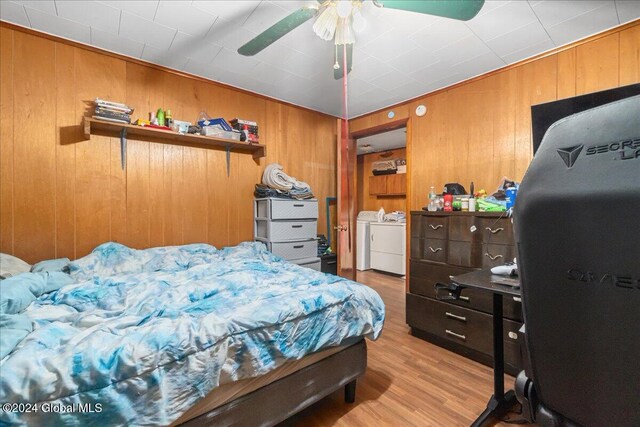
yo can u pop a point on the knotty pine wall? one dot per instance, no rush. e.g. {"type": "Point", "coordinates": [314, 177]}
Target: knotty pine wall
{"type": "Point", "coordinates": [368, 202]}
{"type": "Point", "coordinates": [480, 130]}
{"type": "Point", "coordinates": [61, 195]}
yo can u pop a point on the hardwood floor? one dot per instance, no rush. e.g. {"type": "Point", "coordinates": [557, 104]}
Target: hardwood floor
{"type": "Point", "coordinates": [409, 382]}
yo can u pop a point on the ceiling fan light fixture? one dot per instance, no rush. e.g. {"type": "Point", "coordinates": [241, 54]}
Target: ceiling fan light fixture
{"type": "Point", "coordinates": [344, 32]}
{"type": "Point", "coordinates": [325, 25]}
{"type": "Point", "coordinates": [357, 21]}
{"type": "Point", "coordinates": [344, 8]}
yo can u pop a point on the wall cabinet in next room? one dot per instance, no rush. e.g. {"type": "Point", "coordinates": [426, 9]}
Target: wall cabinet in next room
{"type": "Point", "coordinates": [388, 185]}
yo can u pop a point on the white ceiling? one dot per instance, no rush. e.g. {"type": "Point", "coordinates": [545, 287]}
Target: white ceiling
{"type": "Point", "coordinates": [382, 141]}
{"type": "Point", "coordinates": [400, 55]}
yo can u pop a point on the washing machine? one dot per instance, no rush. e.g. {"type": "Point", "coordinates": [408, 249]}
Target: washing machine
{"type": "Point", "coordinates": [363, 258]}
{"type": "Point", "coordinates": [387, 248]}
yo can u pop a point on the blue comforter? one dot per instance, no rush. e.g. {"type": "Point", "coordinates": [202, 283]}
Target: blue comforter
{"type": "Point", "coordinates": [145, 334]}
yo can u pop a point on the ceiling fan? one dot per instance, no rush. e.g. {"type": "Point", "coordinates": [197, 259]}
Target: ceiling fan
{"type": "Point", "coordinates": [339, 19]}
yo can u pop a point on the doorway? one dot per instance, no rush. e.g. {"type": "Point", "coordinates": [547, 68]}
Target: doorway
{"type": "Point", "coordinates": [381, 184]}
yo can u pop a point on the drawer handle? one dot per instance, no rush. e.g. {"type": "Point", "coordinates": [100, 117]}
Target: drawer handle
{"type": "Point", "coordinates": [332, 262]}
{"type": "Point", "coordinates": [296, 226]}
{"type": "Point", "coordinates": [298, 206]}
{"type": "Point", "coordinates": [493, 257]}
{"type": "Point", "coordinates": [513, 335]}
{"type": "Point", "coordinates": [436, 250]}
{"type": "Point", "coordinates": [463, 298]}
{"type": "Point", "coordinates": [435, 227]}
{"type": "Point", "coordinates": [455, 316]}
{"type": "Point", "coordinates": [517, 299]}
{"type": "Point", "coordinates": [298, 247]}
{"type": "Point", "coordinates": [462, 337]}
{"type": "Point", "coordinates": [492, 231]}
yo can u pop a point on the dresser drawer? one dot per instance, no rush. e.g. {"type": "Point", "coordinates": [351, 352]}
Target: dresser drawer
{"type": "Point", "coordinates": [434, 227]}
{"type": "Point", "coordinates": [464, 254]}
{"type": "Point", "coordinates": [496, 231]}
{"type": "Point", "coordinates": [460, 228]}
{"type": "Point", "coordinates": [424, 276]}
{"type": "Point", "coordinates": [467, 327]}
{"type": "Point", "coordinates": [280, 231]}
{"type": "Point", "coordinates": [493, 255]}
{"type": "Point", "coordinates": [416, 225]}
{"type": "Point", "coordinates": [294, 250]}
{"type": "Point", "coordinates": [435, 250]}
{"type": "Point", "coordinates": [286, 209]}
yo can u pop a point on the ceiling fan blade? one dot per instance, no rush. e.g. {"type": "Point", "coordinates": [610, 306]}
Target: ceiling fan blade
{"type": "Point", "coordinates": [339, 73]}
{"type": "Point", "coordinates": [277, 30]}
{"type": "Point", "coordinates": [462, 10]}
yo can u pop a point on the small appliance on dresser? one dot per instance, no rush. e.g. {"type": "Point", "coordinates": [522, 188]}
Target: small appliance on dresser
{"type": "Point", "coordinates": [288, 228]}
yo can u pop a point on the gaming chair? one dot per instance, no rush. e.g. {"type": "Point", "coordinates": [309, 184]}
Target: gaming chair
{"type": "Point", "coordinates": [577, 224]}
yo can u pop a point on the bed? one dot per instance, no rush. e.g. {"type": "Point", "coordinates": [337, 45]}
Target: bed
{"type": "Point", "coordinates": [180, 335]}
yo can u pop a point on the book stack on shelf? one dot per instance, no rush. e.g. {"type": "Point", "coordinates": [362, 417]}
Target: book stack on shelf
{"type": "Point", "coordinates": [248, 128]}
{"type": "Point", "coordinates": [112, 111]}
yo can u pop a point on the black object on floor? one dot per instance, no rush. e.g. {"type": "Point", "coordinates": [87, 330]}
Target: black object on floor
{"type": "Point", "coordinates": [329, 263]}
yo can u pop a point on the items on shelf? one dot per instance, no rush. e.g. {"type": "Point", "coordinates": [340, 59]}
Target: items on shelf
{"type": "Point", "coordinates": [248, 128]}
{"type": "Point", "coordinates": [112, 111]}
{"type": "Point", "coordinates": [276, 183]}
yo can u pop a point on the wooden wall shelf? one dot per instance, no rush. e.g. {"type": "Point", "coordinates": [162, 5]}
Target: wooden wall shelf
{"type": "Point", "coordinates": [96, 126]}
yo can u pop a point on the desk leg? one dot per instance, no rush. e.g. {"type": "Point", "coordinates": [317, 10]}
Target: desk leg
{"type": "Point", "coordinates": [500, 403]}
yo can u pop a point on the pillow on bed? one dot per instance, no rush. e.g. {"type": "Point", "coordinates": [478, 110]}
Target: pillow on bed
{"type": "Point", "coordinates": [10, 266]}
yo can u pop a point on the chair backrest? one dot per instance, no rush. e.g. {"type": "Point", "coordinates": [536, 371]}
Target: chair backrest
{"type": "Point", "coordinates": [577, 223]}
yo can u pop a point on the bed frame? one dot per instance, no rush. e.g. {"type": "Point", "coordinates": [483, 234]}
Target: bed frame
{"type": "Point", "coordinates": [287, 396]}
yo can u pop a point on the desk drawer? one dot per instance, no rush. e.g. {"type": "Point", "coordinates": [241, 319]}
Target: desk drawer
{"type": "Point", "coordinates": [496, 231]}
{"type": "Point", "coordinates": [512, 346]}
{"type": "Point", "coordinates": [435, 250]}
{"type": "Point", "coordinates": [434, 227]}
{"type": "Point", "coordinates": [467, 327]}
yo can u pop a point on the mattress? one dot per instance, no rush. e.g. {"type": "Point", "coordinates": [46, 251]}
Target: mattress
{"type": "Point", "coordinates": [147, 334]}
{"type": "Point", "coordinates": [231, 391]}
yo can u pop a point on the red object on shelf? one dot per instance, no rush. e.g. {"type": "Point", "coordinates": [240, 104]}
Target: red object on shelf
{"type": "Point", "coordinates": [158, 127]}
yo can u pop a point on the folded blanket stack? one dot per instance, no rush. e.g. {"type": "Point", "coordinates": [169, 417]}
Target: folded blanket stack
{"type": "Point", "coordinates": [276, 183]}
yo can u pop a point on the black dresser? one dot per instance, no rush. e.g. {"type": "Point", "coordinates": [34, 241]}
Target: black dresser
{"type": "Point", "coordinates": [449, 244]}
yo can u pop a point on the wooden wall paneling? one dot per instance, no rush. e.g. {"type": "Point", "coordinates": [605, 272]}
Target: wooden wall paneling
{"type": "Point", "coordinates": [96, 76]}
{"type": "Point", "coordinates": [140, 84]}
{"type": "Point", "coordinates": [250, 173]}
{"type": "Point", "coordinates": [597, 64]}
{"type": "Point", "coordinates": [503, 131]}
{"type": "Point", "coordinates": [6, 140]}
{"type": "Point", "coordinates": [566, 73]}
{"type": "Point", "coordinates": [34, 148]}
{"type": "Point", "coordinates": [172, 197]}
{"type": "Point", "coordinates": [67, 134]}
{"type": "Point", "coordinates": [472, 122]}
{"type": "Point", "coordinates": [118, 193]}
{"type": "Point", "coordinates": [156, 195]}
{"type": "Point", "coordinates": [427, 151]}
{"type": "Point", "coordinates": [194, 163]}
{"type": "Point", "coordinates": [536, 83]}
{"type": "Point", "coordinates": [401, 112]}
{"type": "Point", "coordinates": [630, 56]}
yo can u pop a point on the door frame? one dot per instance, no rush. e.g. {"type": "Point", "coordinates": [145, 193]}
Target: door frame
{"type": "Point", "coordinates": [373, 130]}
